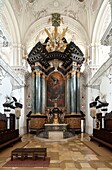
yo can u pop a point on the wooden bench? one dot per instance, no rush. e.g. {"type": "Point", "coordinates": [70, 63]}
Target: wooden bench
{"type": "Point", "coordinates": [29, 152]}
{"type": "Point", "coordinates": [8, 137]}
{"type": "Point", "coordinates": [92, 138]}
{"type": "Point", "coordinates": [103, 137]}
{"type": "Point", "coordinates": [17, 152]}
{"type": "Point", "coordinates": [10, 142]}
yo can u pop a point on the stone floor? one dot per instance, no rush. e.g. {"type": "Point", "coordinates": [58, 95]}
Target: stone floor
{"type": "Point", "coordinates": [69, 154]}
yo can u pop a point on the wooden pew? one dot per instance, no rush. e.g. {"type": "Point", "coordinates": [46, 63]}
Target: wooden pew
{"type": "Point", "coordinates": [29, 152]}
{"type": "Point", "coordinates": [9, 137]}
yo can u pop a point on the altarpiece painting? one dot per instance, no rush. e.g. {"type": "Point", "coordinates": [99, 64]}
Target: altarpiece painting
{"type": "Point", "coordinates": [55, 90]}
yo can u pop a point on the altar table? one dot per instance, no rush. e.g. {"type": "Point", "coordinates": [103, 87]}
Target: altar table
{"type": "Point", "coordinates": [55, 127]}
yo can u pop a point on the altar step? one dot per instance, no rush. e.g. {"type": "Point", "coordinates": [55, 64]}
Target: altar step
{"type": "Point", "coordinates": [75, 131]}
{"type": "Point", "coordinates": [67, 134]}
{"type": "Point", "coordinates": [43, 134]}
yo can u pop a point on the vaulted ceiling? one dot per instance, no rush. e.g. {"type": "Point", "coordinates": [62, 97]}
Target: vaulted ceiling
{"type": "Point", "coordinates": [25, 20]}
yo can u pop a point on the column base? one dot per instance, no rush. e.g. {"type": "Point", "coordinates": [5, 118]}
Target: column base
{"type": "Point", "coordinates": [34, 114]}
{"type": "Point", "coordinates": [74, 113]}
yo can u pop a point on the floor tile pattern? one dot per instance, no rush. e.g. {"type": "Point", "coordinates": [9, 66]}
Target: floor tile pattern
{"type": "Point", "coordinates": [65, 155]}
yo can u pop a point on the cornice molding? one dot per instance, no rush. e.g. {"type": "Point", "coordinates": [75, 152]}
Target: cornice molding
{"type": "Point", "coordinates": [3, 39]}
{"type": "Point", "coordinates": [11, 72]}
{"type": "Point", "coordinates": [100, 72]}
{"type": "Point", "coordinates": [107, 37]}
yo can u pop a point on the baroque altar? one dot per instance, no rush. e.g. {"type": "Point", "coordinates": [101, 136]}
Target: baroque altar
{"type": "Point", "coordinates": [55, 66]}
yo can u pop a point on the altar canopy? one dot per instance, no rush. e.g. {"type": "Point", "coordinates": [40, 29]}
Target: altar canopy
{"type": "Point", "coordinates": [55, 68]}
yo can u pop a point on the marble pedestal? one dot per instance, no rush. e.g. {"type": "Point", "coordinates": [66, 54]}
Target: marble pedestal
{"type": "Point", "coordinates": [57, 135]}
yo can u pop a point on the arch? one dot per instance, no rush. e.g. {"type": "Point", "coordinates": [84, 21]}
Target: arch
{"type": "Point", "coordinates": [34, 29]}
{"type": "Point", "coordinates": [12, 22]}
{"type": "Point", "coordinates": [100, 22]}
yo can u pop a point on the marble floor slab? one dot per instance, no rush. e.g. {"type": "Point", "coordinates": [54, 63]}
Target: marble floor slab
{"type": "Point", "coordinates": [70, 154]}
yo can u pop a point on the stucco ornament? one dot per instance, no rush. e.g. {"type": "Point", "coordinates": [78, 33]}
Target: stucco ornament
{"type": "Point", "coordinates": [31, 1]}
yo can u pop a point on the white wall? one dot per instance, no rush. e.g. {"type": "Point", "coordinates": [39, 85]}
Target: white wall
{"type": "Point", "coordinates": [11, 88]}
{"type": "Point", "coordinates": [91, 95]}
{"type": "Point", "coordinates": [5, 90]}
{"type": "Point", "coordinates": [106, 91]}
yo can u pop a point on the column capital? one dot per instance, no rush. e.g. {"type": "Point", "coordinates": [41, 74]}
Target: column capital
{"type": "Point", "coordinates": [33, 74]}
{"type": "Point", "coordinates": [38, 72]}
{"type": "Point", "coordinates": [43, 76]}
{"type": "Point", "coordinates": [78, 73]}
{"type": "Point", "coordinates": [68, 75]}
{"type": "Point", "coordinates": [73, 72]}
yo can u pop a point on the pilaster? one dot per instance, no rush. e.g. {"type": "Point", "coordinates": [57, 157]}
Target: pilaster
{"type": "Point", "coordinates": [17, 54]}
{"type": "Point", "coordinates": [94, 57]}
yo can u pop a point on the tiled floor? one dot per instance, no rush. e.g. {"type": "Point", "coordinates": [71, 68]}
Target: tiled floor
{"type": "Point", "coordinates": [65, 155]}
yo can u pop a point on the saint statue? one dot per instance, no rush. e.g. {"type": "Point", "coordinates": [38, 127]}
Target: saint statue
{"type": "Point", "coordinates": [55, 120]}
{"type": "Point", "coordinates": [56, 111]}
